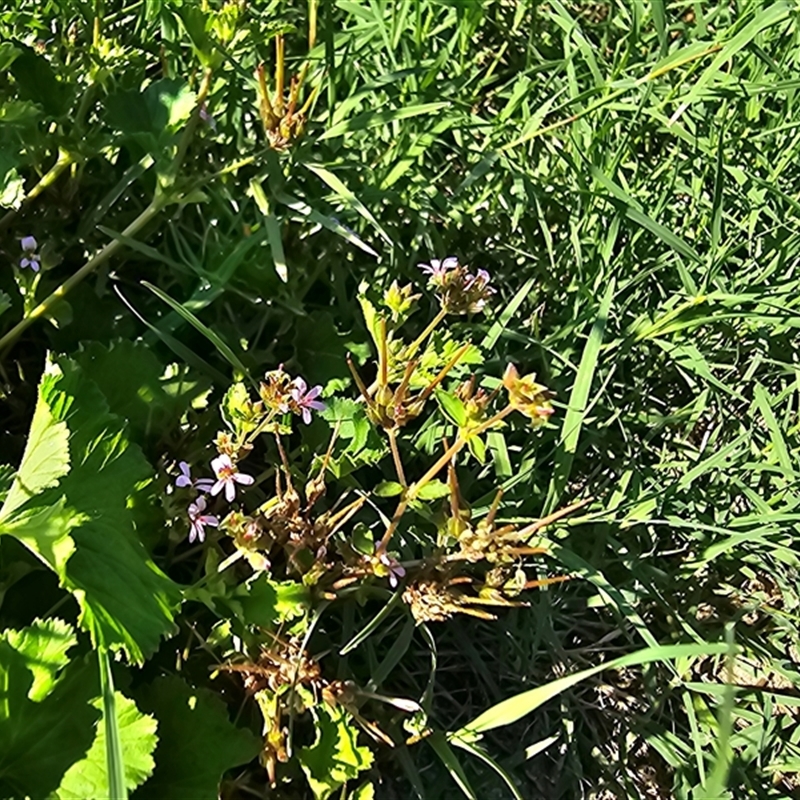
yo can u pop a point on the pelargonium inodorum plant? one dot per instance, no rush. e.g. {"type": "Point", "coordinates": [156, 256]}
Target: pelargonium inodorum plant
{"type": "Point", "coordinates": [287, 535]}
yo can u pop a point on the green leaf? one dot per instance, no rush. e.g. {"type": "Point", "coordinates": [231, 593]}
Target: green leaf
{"type": "Point", "coordinates": [452, 407]}
{"type": "Point", "coordinates": [46, 458]}
{"type": "Point", "coordinates": [7, 473]}
{"type": "Point", "coordinates": [514, 708]}
{"type": "Point", "coordinates": [236, 409]}
{"type": "Point", "coordinates": [5, 300]}
{"type": "Point", "coordinates": [268, 603]}
{"type": "Point", "coordinates": [196, 741]}
{"type": "Point", "coordinates": [335, 757]}
{"type": "Point", "coordinates": [135, 385]}
{"type": "Point", "coordinates": [79, 522]}
{"type": "Point", "coordinates": [433, 490]}
{"type": "Point", "coordinates": [40, 739]}
{"type": "Point", "coordinates": [87, 778]}
{"type": "Point", "coordinates": [37, 82]}
{"type": "Point", "coordinates": [388, 489]}
{"type": "Point", "coordinates": [44, 645]}
{"type": "Point", "coordinates": [8, 53]}
{"type": "Point", "coordinates": [370, 314]}
{"type": "Point", "coordinates": [362, 539]}
{"type": "Point", "coordinates": [161, 108]}
{"type": "Point", "coordinates": [12, 193]}
{"type": "Point", "coordinates": [365, 792]}
{"type": "Point", "coordinates": [477, 447]}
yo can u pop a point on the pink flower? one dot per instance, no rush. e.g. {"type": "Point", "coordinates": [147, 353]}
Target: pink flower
{"type": "Point", "coordinates": [31, 257]}
{"type": "Point", "coordinates": [396, 571]}
{"type": "Point", "coordinates": [437, 269]}
{"type": "Point", "coordinates": [305, 399]}
{"type": "Point", "coordinates": [198, 520]}
{"type": "Point", "coordinates": [185, 479]}
{"type": "Point", "coordinates": [228, 476]}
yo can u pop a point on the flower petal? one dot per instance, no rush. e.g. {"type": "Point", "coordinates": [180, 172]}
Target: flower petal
{"type": "Point", "coordinates": [245, 480]}
{"type": "Point", "coordinates": [221, 463]}
{"type": "Point", "coordinates": [230, 491]}
{"type": "Point", "coordinates": [217, 488]}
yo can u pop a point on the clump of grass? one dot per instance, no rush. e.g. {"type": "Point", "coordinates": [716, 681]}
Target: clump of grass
{"type": "Point", "coordinates": [627, 172]}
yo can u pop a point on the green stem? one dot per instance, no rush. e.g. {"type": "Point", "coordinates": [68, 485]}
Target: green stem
{"type": "Point", "coordinates": [417, 343]}
{"type": "Point", "coordinates": [63, 161]}
{"type": "Point", "coordinates": [90, 266]}
{"type": "Point", "coordinates": [161, 199]}
{"type": "Point", "coordinates": [413, 491]}
{"type": "Point", "coordinates": [188, 131]}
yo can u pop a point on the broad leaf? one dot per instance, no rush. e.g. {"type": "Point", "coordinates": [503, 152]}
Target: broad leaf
{"type": "Point", "coordinates": [41, 738]}
{"type": "Point", "coordinates": [268, 603]}
{"type": "Point", "coordinates": [83, 527]}
{"type": "Point", "coordinates": [159, 109]}
{"type": "Point", "coordinates": [133, 382]}
{"type": "Point", "coordinates": [43, 645]}
{"type": "Point", "coordinates": [335, 757]}
{"type": "Point", "coordinates": [196, 741]}
{"type": "Point", "coordinates": [88, 778]}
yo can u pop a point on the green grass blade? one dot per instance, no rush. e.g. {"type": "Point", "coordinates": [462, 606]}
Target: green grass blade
{"type": "Point", "coordinates": [507, 314]}
{"type": "Point", "coordinates": [519, 706]}
{"type": "Point", "coordinates": [779, 446]}
{"type": "Point", "coordinates": [373, 625]}
{"type": "Point", "coordinates": [114, 758]}
{"type": "Point", "coordinates": [222, 347]}
{"type": "Point", "coordinates": [349, 199]}
{"type": "Point", "coordinates": [371, 119]}
{"type": "Point", "coordinates": [578, 402]}
{"type": "Point", "coordinates": [771, 15]}
{"type": "Point", "coordinates": [476, 751]}
{"type": "Point", "coordinates": [273, 229]}
{"type": "Point", "coordinates": [441, 747]}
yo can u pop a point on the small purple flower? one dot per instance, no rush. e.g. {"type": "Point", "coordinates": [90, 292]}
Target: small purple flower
{"type": "Point", "coordinates": [478, 290]}
{"type": "Point", "coordinates": [227, 477]}
{"type": "Point", "coordinates": [305, 399]}
{"type": "Point", "coordinates": [198, 520]}
{"type": "Point", "coordinates": [396, 571]}
{"type": "Point", "coordinates": [31, 258]}
{"type": "Point", "coordinates": [185, 479]}
{"type": "Point", "coordinates": [438, 269]}
{"type": "Point", "coordinates": [480, 280]}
